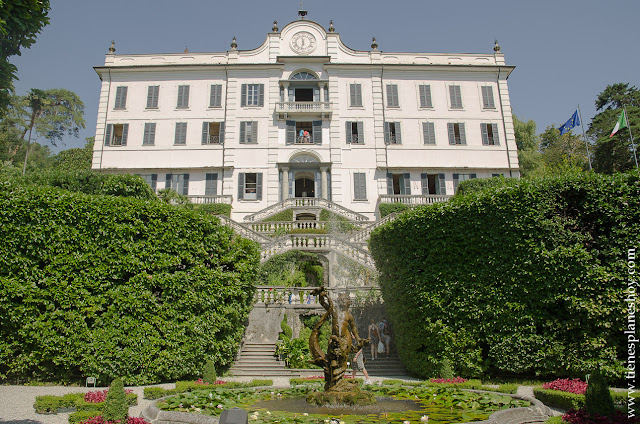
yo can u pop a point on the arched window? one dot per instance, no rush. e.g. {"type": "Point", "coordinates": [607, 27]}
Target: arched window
{"type": "Point", "coordinates": [303, 76]}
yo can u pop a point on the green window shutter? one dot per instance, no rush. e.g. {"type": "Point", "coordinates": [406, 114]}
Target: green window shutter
{"type": "Point", "coordinates": [456, 181]}
{"type": "Point", "coordinates": [290, 184]}
{"type": "Point", "coordinates": [107, 135]}
{"type": "Point", "coordinates": [215, 99]}
{"type": "Point", "coordinates": [387, 134]}
{"type": "Point", "coordinates": [241, 186]}
{"type": "Point", "coordinates": [425, 96]}
{"type": "Point", "coordinates": [442, 184]}
{"type": "Point", "coordinates": [452, 133]}
{"type": "Point", "coordinates": [316, 94]}
{"type": "Point", "coordinates": [168, 178]}
{"type": "Point", "coordinates": [181, 133]}
{"type": "Point", "coordinates": [424, 184]}
{"type": "Point", "coordinates": [356, 94]}
{"type": "Point", "coordinates": [125, 134]}
{"type": "Point", "coordinates": [211, 184]}
{"type": "Point", "coordinates": [317, 132]}
{"type": "Point", "coordinates": [487, 97]}
{"type": "Point", "coordinates": [152, 96]}
{"type": "Point", "coordinates": [398, 133]}
{"type": "Point", "coordinates": [407, 183]}
{"type": "Point", "coordinates": [205, 133]}
{"type": "Point", "coordinates": [359, 186]}
{"type": "Point", "coordinates": [259, 186]}
{"type": "Point", "coordinates": [154, 181]}
{"type": "Point", "coordinates": [348, 126]}
{"type": "Point", "coordinates": [243, 95]}
{"type": "Point", "coordinates": [183, 97]}
{"type": "Point", "coordinates": [463, 137]}
{"type": "Point", "coordinates": [456, 97]}
{"type": "Point", "coordinates": [496, 137]}
{"type": "Point", "coordinates": [149, 134]}
{"type": "Point", "coordinates": [326, 93]}
{"type": "Point", "coordinates": [221, 132]}
{"type": "Point", "coordinates": [485, 134]}
{"type": "Point", "coordinates": [185, 184]}
{"type": "Point", "coordinates": [291, 132]}
{"type": "Point", "coordinates": [392, 95]}
{"type": "Point", "coordinates": [292, 94]}
{"type": "Point", "coordinates": [472, 176]}
{"type": "Point", "coordinates": [261, 95]}
{"type": "Point", "coordinates": [254, 132]}
{"type": "Point", "coordinates": [389, 183]}
{"type": "Point", "coordinates": [121, 98]}
{"type": "Point", "coordinates": [360, 127]}
{"type": "Point", "coordinates": [243, 132]}
{"type": "Point", "coordinates": [429, 133]}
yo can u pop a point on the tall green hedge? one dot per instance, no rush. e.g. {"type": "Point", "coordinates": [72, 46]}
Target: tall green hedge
{"type": "Point", "coordinates": [108, 286]}
{"type": "Point", "coordinates": [525, 277]}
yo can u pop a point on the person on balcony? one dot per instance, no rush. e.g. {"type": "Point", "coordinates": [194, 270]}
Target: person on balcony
{"type": "Point", "coordinates": [301, 136]}
{"type": "Point", "coordinates": [306, 136]}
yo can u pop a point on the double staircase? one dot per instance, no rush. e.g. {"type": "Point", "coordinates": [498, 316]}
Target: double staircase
{"type": "Point", "coordinates": [259, 360]}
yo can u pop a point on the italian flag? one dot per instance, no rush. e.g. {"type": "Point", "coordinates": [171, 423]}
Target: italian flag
{"type": "Point", "coordinates": [622, 123]}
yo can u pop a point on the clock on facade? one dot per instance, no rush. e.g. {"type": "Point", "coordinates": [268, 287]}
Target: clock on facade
{"type": "Point", "coordinates": [303, 42]}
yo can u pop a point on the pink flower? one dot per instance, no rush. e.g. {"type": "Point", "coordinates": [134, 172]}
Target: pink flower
{"type": "Point", "coordinates": [567, 385]}
{"type": "Point", "coordinates": [455, 380]}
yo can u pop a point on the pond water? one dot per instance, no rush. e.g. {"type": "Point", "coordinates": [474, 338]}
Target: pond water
{"type": "Point", "coordinates": [384, 404]}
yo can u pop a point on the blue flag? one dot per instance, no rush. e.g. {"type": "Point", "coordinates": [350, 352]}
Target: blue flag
{"type": "Point", "coordinates": [572, 122]}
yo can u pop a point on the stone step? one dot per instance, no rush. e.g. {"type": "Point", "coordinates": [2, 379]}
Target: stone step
{"type": "Point", "coordinates": [263, 364]}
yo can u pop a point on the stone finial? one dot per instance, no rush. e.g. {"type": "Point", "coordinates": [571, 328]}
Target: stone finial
{"type": "Point", "coordinates": [374, 45]}
{"type": "Point", "coordinates": [496, 47]}
{"type": "Point", "coordinates": [331, 28]}
{"type": "Point", "coordinates": [275, 26]}
{"type": "Point", "coordinates": [112, 49]}
{"type": "Point", "coordinates": [234, 45]}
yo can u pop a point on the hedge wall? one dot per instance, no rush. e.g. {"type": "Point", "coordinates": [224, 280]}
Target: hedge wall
{"type": "Point", "coordinates": [108, 286]}
{"type": "Point", "coordinates": [525, 277]}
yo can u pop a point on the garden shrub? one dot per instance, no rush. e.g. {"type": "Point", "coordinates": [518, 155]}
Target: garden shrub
{"type": "Point", "coordinates": [521, 278]}
{"type": "Point", "coordinates": [336, 223]}
{"type": "Point", "coordinates": [558, 399]}
{"type": "Point", "coordinates": [47, 403]}
{"type": "Point", "coordinates": [285, 215]}
{"type": "Point", "coordinates": [115, 407]}
{"type": "Point", "coordinates": [389, 208]}
{"type": "Point", "coordinates": [94, 284]}
{"type": "Point", "coordinates": [157, 392]}
{"type": "Point", "coordinates": [444, 370]}
{"type": "Point", "coordinates": [597, 399]}
{"type": "Point", "coordinates": [209, 374]}
{"type": "Point", "coordinates": [294, 268]}
{"type": "Point", "coordinates": [82, 416]}
{"type": "Point", "coordinates": [213, 208]}
{"type": "Point", "coordinates": [583, 417]}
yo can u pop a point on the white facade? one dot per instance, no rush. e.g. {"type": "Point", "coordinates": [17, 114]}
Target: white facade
{"type": "Point", "coordinates": [384, 127]}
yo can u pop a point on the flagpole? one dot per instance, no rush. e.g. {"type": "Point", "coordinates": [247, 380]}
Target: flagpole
{"type": "Point", "coordinates": [585, 138]}
{"type": "Point", "coordinates": [633, 146]}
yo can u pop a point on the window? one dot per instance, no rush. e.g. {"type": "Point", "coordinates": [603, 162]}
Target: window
{"type": "Point", "coordinates": [429, 133]}
{"type": "Point", "coordinates": [457, 178]}
{"type": "Point", "coordinates": [303, 76]}
{"type": "Point", "coordinates": [433, 184]}
{"type": "Point", "coordinates": [489, 134]}
{"type": "Point", "coordinates": [249, 132]}
{"type": "Point", "coordinates": [211, 184]}
{"type": "Point", "coordinates": [250, 186]}
{"type": "Point", "coordinates": [301, 132]}
{"type": "Point", "coordinates": [152, 96]}
{"type": "Point", "coordinates": [425, 95]}
{"type": "Point", "coordinates": [212, 132]}
{"type": "Point", "coordinates": [121, 98]}
{"type": "Point", "coordinates": [181, 133]}
{"type": "Point", "coordinates": [359, 186]}
{"type": "Point", "coordinates": [215, 99]}
{"type": "Point", "coordinates": [456, 133]}
{"type": "Point", "coordinates": [149, 136]}
{"type": "Point", "coordinates": [183, 97]}
{"type": "Point", "coordinates": [392, 133]}
{"type": "Point", "coordinates": [355, 132]}
{"type": "Point", "coordinates": [392, 95]}
{"type": "Point", "coordinates": [487, 97]}
{"type": "Point", "coordinates": [456, 97]}
{"type": "Point", "coordinates": [497, 175]}
{"type": "Point", "coordinates": [116, 135]}
{"type": "Point", "coordinates": [398, 183]}
{"type": "Point", "coordinates": [151, 179]}
{"type": "Point", "coordinates": [355, 94]}
{"type": "Point", "coordinates": [252, 95]}
{"type": "Point", "coordinates": [178, 182]}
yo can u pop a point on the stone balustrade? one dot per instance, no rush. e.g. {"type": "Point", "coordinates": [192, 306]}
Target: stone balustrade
{"type": "Point", "coordinates": [407, 199]}
{"type": "Point", "coordinates": [302, 295]}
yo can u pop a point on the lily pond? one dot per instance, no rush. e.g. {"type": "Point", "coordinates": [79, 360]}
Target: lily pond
{"type": "Point", "coordinates": [396, 404]}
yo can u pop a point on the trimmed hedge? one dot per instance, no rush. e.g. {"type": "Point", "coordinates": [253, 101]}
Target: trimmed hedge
{"type": "Point", "coordinates": [389, 208]}
{"type": "Point", "coordinates": [520, 278]}
{"type": "Point", "coordinates": [103, 285]}
{"type": "Point", "coordinates": [214, 208]}
{"type": "Point", "coordinates": [566, 400]}
{"type": "Point", "coordinates": [51, 403]}
{"type": "Point", "coordinates": [187, 386]}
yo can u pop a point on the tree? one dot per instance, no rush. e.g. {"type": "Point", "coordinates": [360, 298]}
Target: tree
{"type": "Point", "coordinates": [614, 154]}
{"type": "Point", "coordinates": [559, 151]}
{"type": "Point", "coordinates": [528, 143]}
{"type": "Point", "coordinates": [76, 159]}
{"type": "Point", "coordinates": [20, 22]}
{"type": "Point", "coordinates": [52, 114]}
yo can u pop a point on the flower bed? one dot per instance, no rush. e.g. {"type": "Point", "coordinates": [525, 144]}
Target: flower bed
{"type": "Point", "coordinates": [576, 386]}
{"type": "Point", "coordinates": [582, 417]}
{"type": "Point", "coordinates": [454, 380]}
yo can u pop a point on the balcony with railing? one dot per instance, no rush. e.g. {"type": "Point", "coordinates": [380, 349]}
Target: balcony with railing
{"type": "Point", "coordinates": [200, 200]}
{"type": "Point", "coordinates": [411, 200]}
{"type": "Point", "coordinates": [285, 110]}
{"type": "Point", "coordinates": [214, 139]}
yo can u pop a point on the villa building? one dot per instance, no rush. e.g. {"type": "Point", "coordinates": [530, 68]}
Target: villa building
{"type": "Point", "coordinates": [304, 116]}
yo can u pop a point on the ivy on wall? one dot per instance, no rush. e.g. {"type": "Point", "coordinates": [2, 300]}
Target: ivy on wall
{"type": "Point", "coordinates": [294, 268]}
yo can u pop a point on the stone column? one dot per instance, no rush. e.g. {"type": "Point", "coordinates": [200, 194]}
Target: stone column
{"type": "Point", "coordinates": [325, 190]}
{"type": "Point", "coordinates": [285, 183]}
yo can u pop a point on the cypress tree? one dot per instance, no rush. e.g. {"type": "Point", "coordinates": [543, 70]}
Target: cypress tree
{"type": "Point", "coordinates": [115, 407]}
{"type": "Point", "coordinates": [597, 398]}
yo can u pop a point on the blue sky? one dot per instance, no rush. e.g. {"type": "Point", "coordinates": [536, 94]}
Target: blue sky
{"type": "Point", "coordinates": [565, 52]}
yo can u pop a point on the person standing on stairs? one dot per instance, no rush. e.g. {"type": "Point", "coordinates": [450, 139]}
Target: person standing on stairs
{"type": "Point", "coordinates": [374, 337]}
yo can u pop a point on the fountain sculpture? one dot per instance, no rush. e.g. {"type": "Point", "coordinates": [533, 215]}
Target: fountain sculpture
{"type": "Point", "coordinates": [337, 389]}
